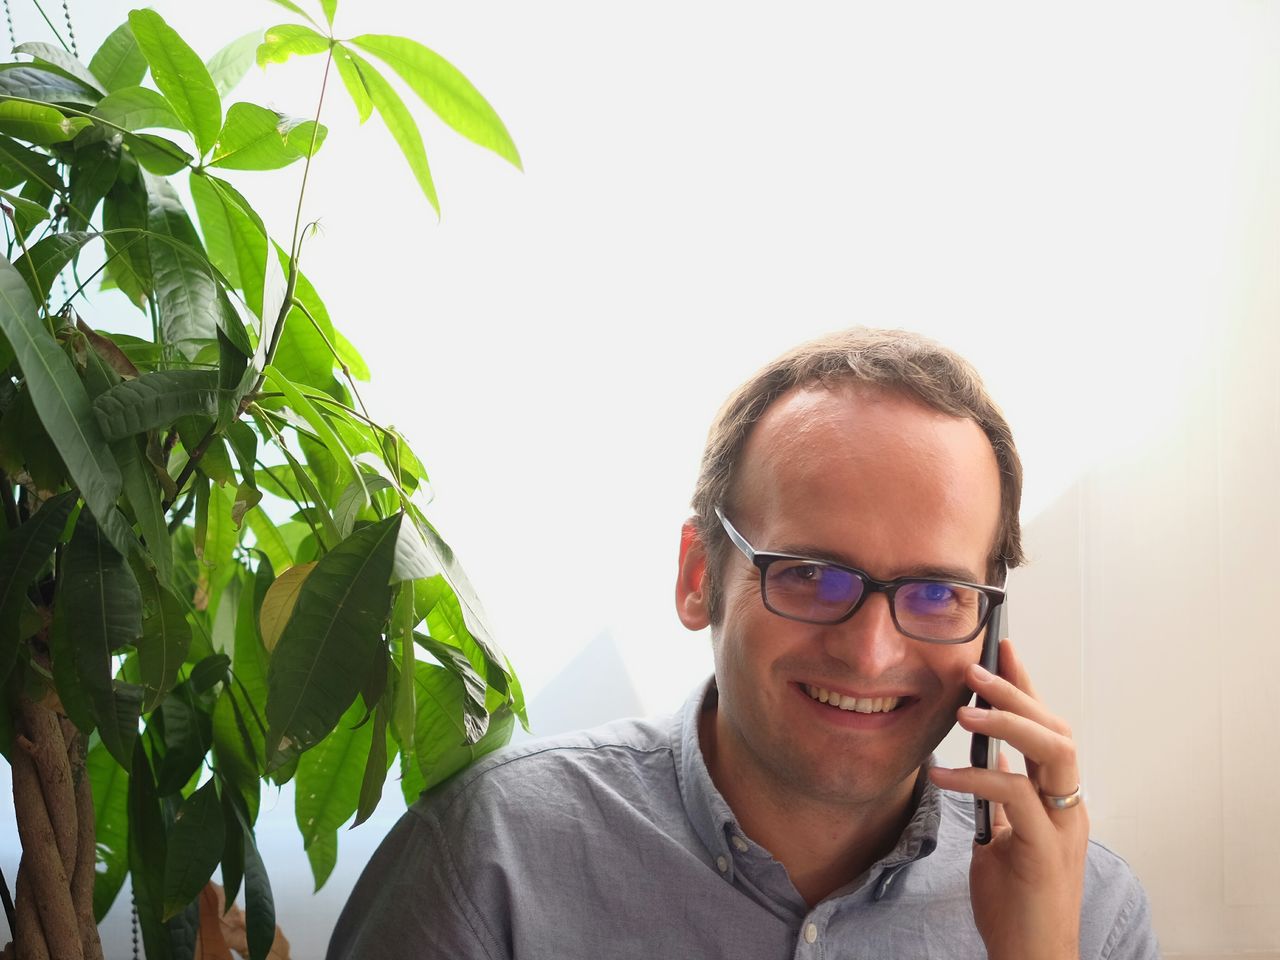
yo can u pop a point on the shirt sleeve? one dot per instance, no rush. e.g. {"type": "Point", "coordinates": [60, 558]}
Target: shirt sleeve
{"type": "Point", "coordinates": [1132, 937]}
{"type": "Point", "coordinates": [409, 904]}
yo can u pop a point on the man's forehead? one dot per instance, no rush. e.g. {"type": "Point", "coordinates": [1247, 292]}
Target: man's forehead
{"type": "Point", "coordinates": [856, 446]}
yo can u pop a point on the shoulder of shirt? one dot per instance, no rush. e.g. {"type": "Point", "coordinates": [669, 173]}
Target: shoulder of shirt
{"type": "Point", "coordinates": [532, 764]}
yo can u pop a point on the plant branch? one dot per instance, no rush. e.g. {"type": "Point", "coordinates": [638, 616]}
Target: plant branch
{"type": "Point", "coordinates": [291, 284]}
{"type": "Point", "coordinates": [181, 514]}
{"type": "Point", "coordinates": [56, 34]}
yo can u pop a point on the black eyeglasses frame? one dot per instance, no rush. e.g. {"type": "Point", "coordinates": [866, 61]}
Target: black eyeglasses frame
{"type": "Point", "coordinates": [762, 560]}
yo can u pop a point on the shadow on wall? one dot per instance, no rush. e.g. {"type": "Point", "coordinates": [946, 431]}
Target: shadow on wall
{"type": "Point", "coordinates": [593, 688]}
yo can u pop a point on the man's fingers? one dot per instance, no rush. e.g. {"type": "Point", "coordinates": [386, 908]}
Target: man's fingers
{"type": "Point", "coordinates": [1021, 806]}
{"type": "Point", "coordinates": [1051, 757]}
{"type": "Point", "coordinates": [1000, 693]}
{"type": "Point", "coordinates": [1010, 666]}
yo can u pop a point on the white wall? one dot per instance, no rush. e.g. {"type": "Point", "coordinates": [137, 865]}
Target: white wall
{"type": "Point", "coordinates": [1082, 198]}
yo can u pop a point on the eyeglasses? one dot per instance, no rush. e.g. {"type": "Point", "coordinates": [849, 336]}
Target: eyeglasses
{"type": "Point", "coordinates": [816, 591]}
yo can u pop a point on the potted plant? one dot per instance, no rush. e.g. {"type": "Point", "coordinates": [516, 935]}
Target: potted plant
{"type": "Point", "coordinates": [215, 567]}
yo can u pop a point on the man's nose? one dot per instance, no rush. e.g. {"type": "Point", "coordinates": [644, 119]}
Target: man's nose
{"type": "Point", "coordinates": [869, 642]}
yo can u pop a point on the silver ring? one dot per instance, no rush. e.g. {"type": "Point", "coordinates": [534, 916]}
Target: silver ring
{"type": "Point", "coordinates": [1062, 803]}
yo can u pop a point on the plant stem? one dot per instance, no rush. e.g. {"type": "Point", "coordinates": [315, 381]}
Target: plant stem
{"type": "Point", "coordinates": [291, 284]}
{"type": "Point", "coordinates": [56, 34]}
{"type": "Point", "coordinates": [346, 371]}
{"type": "Point", "coordinates": [294, 244]}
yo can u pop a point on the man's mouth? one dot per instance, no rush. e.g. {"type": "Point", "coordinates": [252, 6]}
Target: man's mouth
{"type": "Point", "coordinates": [853, 704]}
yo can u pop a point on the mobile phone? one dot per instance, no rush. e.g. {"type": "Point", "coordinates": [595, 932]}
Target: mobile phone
{"type": "Point", "coordinates": [984, 751]}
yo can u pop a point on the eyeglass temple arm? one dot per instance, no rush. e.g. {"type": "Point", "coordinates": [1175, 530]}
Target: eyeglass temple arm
{"type": "Point", "coordinates": [738, 540]}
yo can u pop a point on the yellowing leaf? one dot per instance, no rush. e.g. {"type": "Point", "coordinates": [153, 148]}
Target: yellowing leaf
{"type": "Point", "coordinates": [278, 604]}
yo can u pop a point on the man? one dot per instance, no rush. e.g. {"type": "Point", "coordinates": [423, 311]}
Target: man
{"type": "Point", "coordinates": [855, 515]}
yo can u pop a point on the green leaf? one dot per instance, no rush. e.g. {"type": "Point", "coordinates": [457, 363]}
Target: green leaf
{"type": "Point", "coordinates": [180, 75]}
{"type": "Point", "coordinates": [93, 174]}
{"type": "Point", "coordinates": [404, 710]}
{"type": "Point", "coordinates": [28, 208]}
{"type": "Point", "coordinates": [472, 612]}
{"type": "Point", "coordinates": [260, 911]}
{"type": "Point", "coordinates": [306, 137]}
{"type": "Point", "coordinates": [440, 742]}
{"type": "Point", "coordinates": [444, 90]}
{"type": "Point", "coordinates": [327, 785]}
{"type": "Point", "coordinates": [124, 210]}
{"type": "Point", "coordinates": [100, 602]}
{"type": "Point", "coordinates": [147, 854]}
{"type": "Point", "coordinates": [195, 847]}
{"type": "Point", "coordinates": [188, 733]}
{"type": "Point", "coordinates": [253, 138]}
{"type": "Point", "coordinates": [331, 640]}
{"type": "Point", "coordinates": [349, 355]}
{"type": "Point", "coordinates": [304, 408]}
{"type": "Point", "coordinates": [353, 499]}
{"type": "Point", "coordinates": [42, 263]}
{"type": "Point", "coordinates": [29, 164]}
{"type": "Point", "coordinates": [22, 555]}
{"type": "Point", "coordinates": [218, 241]}
{"type": "Point", "coordinates": [31, 82]}
{"type": "Point", "coordinates": [137, 108]}
{"type": "Point", "coordinates": [285, 40]}
{"type": "Point", "coordinates": [157, 155]}
{"type": "Point", "coordinates": [375, 770]}
{"type": "Point", "coordinates": [232, 848]}
{"type": "Point", "coordinates": [144, 496]}
{"type": "Point", "coordinates": [475, 716]}
{"type": "Point", "coordinates": [356, 89]}
{"type": "Point", "coordinates": [229, 65]}
{"type": "Point", "coordinates": [37, 123]}
{"type": "Point", "coordinates": [111, 826]}
{"type": "Point", "coordinates": [156, 400]}
{"type": "Point", "coordinates": [329, 7]}
{"type": "Point", "coordinates": [119, 61]}
{"type": "Point", "coordinates": [400, 122]}
{"type": "Point", "coordinates": [413, 559]}
{"type": "Point", "coordinates": [186, 294]}
{"type": "Point", "coordinates": [323, 856]}
{"type": "Point", "coordinates": [269, 539]}
{"type": "Point", "coordinates": [165, 640]}
{"type": "Point", "coordinates": [60, 399]}
{"type": "Point", "coordinates": [61, 59]}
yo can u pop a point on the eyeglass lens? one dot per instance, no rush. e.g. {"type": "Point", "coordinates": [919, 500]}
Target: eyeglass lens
{"type": "Point", "coordinates": [824, 594]}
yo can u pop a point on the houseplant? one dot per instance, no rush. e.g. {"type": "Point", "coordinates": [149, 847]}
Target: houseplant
{"type": "Point", "coordinates": [215, 567]}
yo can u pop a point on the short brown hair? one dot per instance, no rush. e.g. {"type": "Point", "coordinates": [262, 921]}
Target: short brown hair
{"type": "Point", "coordinates": [891, 359]}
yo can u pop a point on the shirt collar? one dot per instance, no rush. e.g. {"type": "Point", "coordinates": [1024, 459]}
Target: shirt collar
{"type": "Point", "coordinates": [714, 822]}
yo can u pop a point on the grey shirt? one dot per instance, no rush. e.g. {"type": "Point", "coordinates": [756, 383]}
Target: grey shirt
{"type": "Point", "coordinates": [614, 843]}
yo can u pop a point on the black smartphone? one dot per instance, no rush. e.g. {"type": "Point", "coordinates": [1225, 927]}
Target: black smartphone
{"type": "Point", "coordinates": [984, 751]}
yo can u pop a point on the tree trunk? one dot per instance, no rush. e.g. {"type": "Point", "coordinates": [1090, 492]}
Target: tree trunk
{"type": "Point", "coordinates": [53, 804]}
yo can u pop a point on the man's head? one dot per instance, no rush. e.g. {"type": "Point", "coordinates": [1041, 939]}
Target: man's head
{"type": "Point", "coordinates": [894, 360]}
{"type": "Point", "coordinates": [874, 450]}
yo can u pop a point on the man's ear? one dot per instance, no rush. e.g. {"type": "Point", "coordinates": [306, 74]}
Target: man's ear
{"type": "Point", "coordinates": [691, 582]}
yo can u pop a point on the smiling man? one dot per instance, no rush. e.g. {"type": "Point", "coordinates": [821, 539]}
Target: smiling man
{"type": "Point", "coordinates": [855, 516]}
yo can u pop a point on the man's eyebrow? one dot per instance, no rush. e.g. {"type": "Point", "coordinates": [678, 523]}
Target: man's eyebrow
{"type": "Point", "coordinates": [932, 571]}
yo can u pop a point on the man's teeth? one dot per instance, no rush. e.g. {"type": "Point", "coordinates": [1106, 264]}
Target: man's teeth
{"type": "Point", "coordinates": [856, 704]}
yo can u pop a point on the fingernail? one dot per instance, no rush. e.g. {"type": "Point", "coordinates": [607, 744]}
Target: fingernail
{"type": "Point", "coordinates": [982, 673]}
{"type": "Point", "coordinates": [972, 713]}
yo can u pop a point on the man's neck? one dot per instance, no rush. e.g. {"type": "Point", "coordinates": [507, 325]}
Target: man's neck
{"type": "Point", "coordinates": [824, 846]}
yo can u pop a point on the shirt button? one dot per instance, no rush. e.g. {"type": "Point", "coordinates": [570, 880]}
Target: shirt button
{"type": "Point", "coordinates": [811, 933]}
{"type": "Point", "coordinates": [740, 844]}
{"type": "Point", "coordinates": [722, 863]}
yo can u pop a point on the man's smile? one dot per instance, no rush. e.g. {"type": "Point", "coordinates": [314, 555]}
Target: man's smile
{"type": "Point", "coordinates": [857, 712]}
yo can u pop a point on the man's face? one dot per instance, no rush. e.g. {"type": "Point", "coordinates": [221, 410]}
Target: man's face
{"type": "Point", "coordinates": [875, 481]}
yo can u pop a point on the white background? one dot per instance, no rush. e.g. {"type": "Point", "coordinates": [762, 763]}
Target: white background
{"type": "Point", "coordinates": [1081, 198]}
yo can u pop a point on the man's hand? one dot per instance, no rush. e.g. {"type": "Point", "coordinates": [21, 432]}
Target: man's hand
{"type": "Point", "coordinates": [1027, 883]}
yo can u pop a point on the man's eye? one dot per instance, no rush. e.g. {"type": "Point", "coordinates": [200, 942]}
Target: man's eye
{"type": "Point", "coordinates": [938, 593]}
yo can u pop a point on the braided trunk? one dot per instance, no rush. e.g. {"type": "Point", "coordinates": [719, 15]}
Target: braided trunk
{"type": "Point", "coordinates": [53, 805]}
